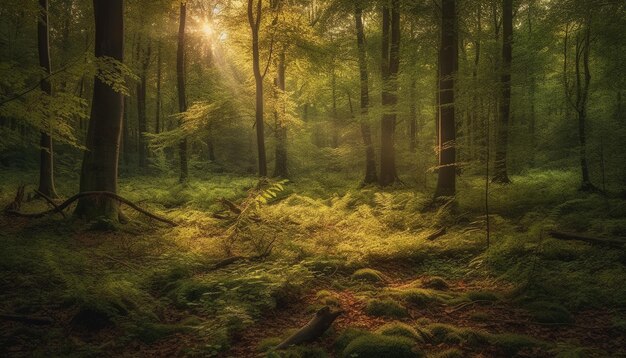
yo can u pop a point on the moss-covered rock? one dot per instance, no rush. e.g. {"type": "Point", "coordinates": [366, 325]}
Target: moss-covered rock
{"type": "Point", "coordinates": [347, 336]}
{"type": "Point", "coordinates": [385, 308]}
{"type": "Point", "coordinates": [548, 312]}
{"type": "Point", "coordinates": [436, 283]}
{"type": "Point", "coordinates": [377, 346]}
{"type": "Point", "coordinates": [399, 329]}
{"type": "Point", "coordinates": [417, 296]}
{"type": "Point", "coordinates": [368, 275]}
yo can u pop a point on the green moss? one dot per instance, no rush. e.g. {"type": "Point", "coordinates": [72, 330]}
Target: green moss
{"type": "Point", "coordinates": [377, 346]}
{"type": "Point", "coordinates": [547, 312]}
{"type": "Point", "coordinates": [417, 296]}
{"type": "Point", "coordinates": [399, 329]}
{"type": "Point", "coordinates": [327, 298]}
{"type": "Point", "coordinates": [449, 334]}
{"type": "Point", "coordinates": [385, 308]}
{"type": "Point", "coordinates": [348, 335]}
{"type": "Point", "coordinates": [269, 343]}
{"type": "Point", "coordinates": [511, 343]}
{"type": "Point", "coordinates": [368, 275]}
{"type": "Point", "coordinates": [436, 283]}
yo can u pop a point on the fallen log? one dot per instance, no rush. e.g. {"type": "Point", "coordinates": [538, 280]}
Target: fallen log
{"type": "Point", "coordinates": [588, 239]}
{"type": "Point", "coordinates": [313, 330]}
{"type": "Point", "coordinates": [38, 321]}
{"type": "Point", "coordinates": [69, 202]}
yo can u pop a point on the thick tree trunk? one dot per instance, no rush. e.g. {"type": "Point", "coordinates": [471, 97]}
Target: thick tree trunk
{"type": "Point", "coordinates": [46, 162]}
{"type": "Point", "coordinates": [100, 163]}
{"type": "Point", "coordinates": [446, 179]}
{"type": "Point", "coordinates": [390, 67]}
{"type": "Point", "coordinates": [182, 97]}
{"type": "Point", "coordinates": [280, 169]}
{"type": "Point", "coordinates": [370, 157]}
{"type": "Point", "coordinates": [501, 174]}
{"type": "Point", "coordinates": [255, 23]}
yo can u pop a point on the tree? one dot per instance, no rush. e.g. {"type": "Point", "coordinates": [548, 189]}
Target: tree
{"type": "Point", "coordinates": [448, 54]}
{"type": "Point", "coordinates": [100, 162]}
{"type": "Point", "coordinates": [366, 132]}
{"type": "Point", "coordinates": [390, 67]}
{"type": "Point", "coordinates": [500, 174]}
{"type": "Point", "coordinates": [46, 162]}
{"type": "Point", "coordinates": [182, 97]}
{"type": "Point", "coordinates": [255, 24]}
{"type": "Point", "coordinates": [280, 169]}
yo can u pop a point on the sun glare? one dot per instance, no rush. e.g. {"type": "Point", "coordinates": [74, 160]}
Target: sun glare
{"type": "Point", "coordinates": [207, 29]}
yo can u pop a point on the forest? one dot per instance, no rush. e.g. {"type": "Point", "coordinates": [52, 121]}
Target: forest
{"type": "Point", "coordinates": [313, 178]}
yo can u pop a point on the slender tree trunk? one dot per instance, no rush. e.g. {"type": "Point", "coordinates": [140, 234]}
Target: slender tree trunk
{"type": "Point", "coordinates": [182, 97]}
{"type": "Point", "coordinates": [500, 169]}
{"type": "Point", "coordinates": [142, 118]}
{"type": "Point", "coordinates": [157, 124]}
{"type": "Point", "coordinates": [255, 23]}
{"type": "Point", "coordinates": [582, 97]}
{"type": "Point", "coordinates": [413, 116]}
{"type": "Point", "coordinates": [100, 163]}
{"type": "Point", "coordinates": [280, 169]}
{"type": "Point", "coordinates": [370, 157]}
{"type": "Point", "coordinates": [390, 68]}
{"type": "Point", "coordinates": [46, 162]}
{"type": "Point", "coordinates": [333, 87]}
{"type": "Point", "coordinates": [446, 179]}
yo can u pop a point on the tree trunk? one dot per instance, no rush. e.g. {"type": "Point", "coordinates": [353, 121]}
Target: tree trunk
{"type": "Point", "coordinates": [255, 23]}
{"type": "Point", "coordinates": [390, 67]}
{"type": "Point", "coordinates": [370, 157]}
{"type": "Point", "coordinates": [501, 174]}
{"type": "Point", "coordinates": [46, 162]}
{"type": "Point", "coordinates": [182, 98]}
{"type": "Point", "coordinates": [280, 169]}
{"type": "Point", "coordinates": [582, 97]}
{"type": "Point", "coordinates": [100, 163]}
{"type": "Point", "coordinates": [157, 124]}
{"type": "Point", "coordinates": [446, 179]}
{"type": "Point", "coordinates": [142, 120]}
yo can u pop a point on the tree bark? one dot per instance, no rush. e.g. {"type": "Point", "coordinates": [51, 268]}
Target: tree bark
{"type": "Point", "coordinates": [100, 163]}
{"type": "Point", "coordinates": [582, 97]}
{"type": "Point", "coordinates": [142, 120]}
{"type": "Point", "coordinates": [366, 133]}
{"type": "Point", "coordinates": [500, 169]}
{"type": "Point", "coordinates": [390, 67]}
{"type": "Point", "coordinates": [157, 124]}
{"type": "Point", "coordinates": [280, 169]}
{"type": "Point", "coordinates": [46, 162]}
{"type": "Point", "coordinates": [182, 97]}
{"type": "Point", "coordinates": [255, 23]}
{"type": "Point", "coordinates": [446, 178]}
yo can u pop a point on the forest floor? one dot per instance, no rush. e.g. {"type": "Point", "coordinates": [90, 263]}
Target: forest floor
{"type": "Point", "coordinates": [146, 289]}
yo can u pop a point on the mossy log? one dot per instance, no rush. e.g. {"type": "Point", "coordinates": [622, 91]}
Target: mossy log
{"type": "Point", "coordinates": [619, 244]}
{"type": "Point", "coordinates": [313, 330]}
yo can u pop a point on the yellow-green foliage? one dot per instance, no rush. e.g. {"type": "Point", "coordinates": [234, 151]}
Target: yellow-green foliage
{"type": "Point", "coordinates": [385, 308]}
{"type": "Point", "coordinates": [376, 346]}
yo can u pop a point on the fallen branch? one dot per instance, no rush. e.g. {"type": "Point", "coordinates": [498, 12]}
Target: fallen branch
{"type": "Point", "coordinates": [230, 206]}
{"type": "Point", "coordinates": [51, 202]}
{"type": "Point", "coordinates": [588, 239]}
{"type": "Point", "coordinates": [69, 201]}
{"type": "Point", "coordinates": [436, 234]}
{"type": "Point", "coordinates": [38, 321]}
{"type": "Point", "coordinates": [313, 330]}
{"type": "Point", "coordinates": [233, 259]}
